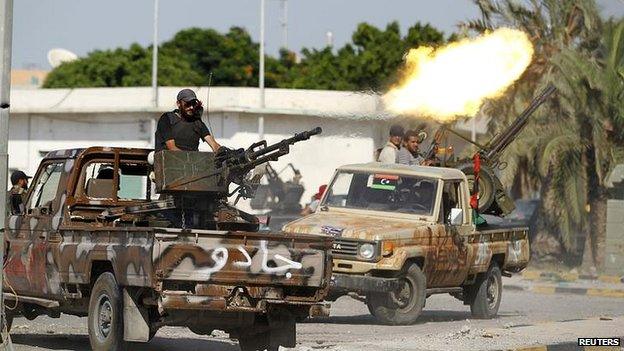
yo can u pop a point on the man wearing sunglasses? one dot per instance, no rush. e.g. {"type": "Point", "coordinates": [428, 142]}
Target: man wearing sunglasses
{"type": "Point", "coordinates": [182, 128]}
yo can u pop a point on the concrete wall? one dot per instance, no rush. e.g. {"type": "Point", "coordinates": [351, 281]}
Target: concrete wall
{"type": "Point", "coordinates": [342, 141]}
{"type": "Point", "coordinates": [614, 257]}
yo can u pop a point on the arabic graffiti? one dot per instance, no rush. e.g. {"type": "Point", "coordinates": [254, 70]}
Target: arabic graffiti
{"type": "Point", "coordinates": [220, 256]}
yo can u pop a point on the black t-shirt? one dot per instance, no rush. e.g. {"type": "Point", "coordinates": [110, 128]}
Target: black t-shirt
{"type": "Point", "coordinates": [185, 133]}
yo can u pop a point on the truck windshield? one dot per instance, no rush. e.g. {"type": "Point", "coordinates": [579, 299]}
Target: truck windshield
{"type": "Point", "coordinates": [382, 192]}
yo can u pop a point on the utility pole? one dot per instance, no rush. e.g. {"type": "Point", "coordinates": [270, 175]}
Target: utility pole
{"type": "Point", "coordinates": [152, 139]}
{"type": "Point", "coordinates": [155, 57]}
{"type": "Point", "coordinates": [284, 23]}
{"type": "Point", "coordinates": [261, 80]}
{"type": "Point", "coordinates": [6, 36]}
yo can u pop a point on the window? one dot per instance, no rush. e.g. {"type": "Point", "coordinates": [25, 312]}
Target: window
{"type": "Point", "coordinates": [383, 192]}
{"type": "Point", "coordinates": [450, 199]}
{"type": "Point", "coordinates": [133, 181]}
{"type": "Point", "coordinates": [46, 185]}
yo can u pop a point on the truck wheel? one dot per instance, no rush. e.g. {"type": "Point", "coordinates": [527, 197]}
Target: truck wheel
{"type": "Point", "coordinates": [257, 342]}
{"type": "Point", "coordinates": [404, 305]}
{"type": "Point", "coordinates": [106, 315]}
{"type": "Point", "coordinates": [486, 294]}
{"type": "Point", "coordinates": [486, 185]}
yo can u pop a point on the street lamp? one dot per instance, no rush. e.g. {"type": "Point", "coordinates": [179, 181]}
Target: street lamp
{"type": "Point", "coordinates": [261, 78]}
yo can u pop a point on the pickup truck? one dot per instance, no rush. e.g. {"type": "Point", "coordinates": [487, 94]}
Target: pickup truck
{"type": "Point", "coordinates": [403, 233]}
{"type": "Point", "coordinates": [134, 272]}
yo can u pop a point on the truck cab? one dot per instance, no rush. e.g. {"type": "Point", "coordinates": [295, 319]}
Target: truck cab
{"type": "Point", "coordinates": [402, 233]}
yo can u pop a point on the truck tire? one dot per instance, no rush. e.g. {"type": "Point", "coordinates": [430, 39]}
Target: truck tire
{"type": "Point", "coordinates": [487, 190]}
{"type": "Point", "coordinates": [106, 326]}
{"type": "Point", "coordinates": [403, 306]}
{"type": "Point", "coordinates": [485, 294]}
{"type": "Point", "coordinates": [257, 342]}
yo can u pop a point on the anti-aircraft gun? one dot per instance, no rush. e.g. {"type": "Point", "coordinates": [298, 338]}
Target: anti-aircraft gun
{"type": "Point", "coordinates": [492, 197]}
{"type": "Point", "coordinates": [194, 186]}
{"type": "Point", "coordinates": [279, 196]}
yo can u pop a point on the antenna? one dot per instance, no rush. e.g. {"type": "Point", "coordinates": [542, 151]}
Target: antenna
{"type": "Point", "coordinates": [58, 56]}
{"type": "Point", "coordinates": [208, 104]}
{"type": "Point", "coordinates": [284, 24]}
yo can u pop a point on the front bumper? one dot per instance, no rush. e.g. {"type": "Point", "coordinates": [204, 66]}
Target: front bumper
{"type": "Point", "coordinates": [362, 284]}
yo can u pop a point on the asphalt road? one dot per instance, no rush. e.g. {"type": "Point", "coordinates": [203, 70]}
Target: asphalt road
{"type": "Point", "coordinates": [525, 318]}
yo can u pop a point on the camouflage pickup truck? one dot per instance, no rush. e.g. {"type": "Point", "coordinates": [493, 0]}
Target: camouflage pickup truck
{"type": "Point", "coordinates": [403, 233]}
{"type": "Point", "coordinates": [92, 243]}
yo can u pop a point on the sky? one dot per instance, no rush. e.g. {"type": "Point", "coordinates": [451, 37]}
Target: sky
{"type": "Point", "coordinates": [82, 26]}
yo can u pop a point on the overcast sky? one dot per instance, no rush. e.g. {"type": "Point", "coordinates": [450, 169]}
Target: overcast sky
{"type": "Point", "coordinates": [82, 26]}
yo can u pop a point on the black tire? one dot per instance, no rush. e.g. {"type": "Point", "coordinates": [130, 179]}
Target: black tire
{"type": "Point", "coordinates": [485, 294]}
{"type": "Point", "coordinates": [257, 342]}
{"type": "Point", "coordinates": [106, 326]}
{"type": "Point", "coordinates": [404, 306]}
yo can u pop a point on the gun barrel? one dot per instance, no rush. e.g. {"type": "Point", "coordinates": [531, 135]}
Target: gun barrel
{"type": "Point", "coordinates": [283, 145]}
{"type": "Point", "coordinates": [500, 142]}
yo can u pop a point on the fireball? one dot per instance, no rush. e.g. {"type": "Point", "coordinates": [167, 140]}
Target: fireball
{"type": "Point", "coordinates": [453, 81]}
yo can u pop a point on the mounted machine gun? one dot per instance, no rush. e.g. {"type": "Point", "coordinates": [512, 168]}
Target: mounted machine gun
{"type": "Point", "coordinates": [492, 198]}
{"type": "Point", "coordinates": [195, 186]}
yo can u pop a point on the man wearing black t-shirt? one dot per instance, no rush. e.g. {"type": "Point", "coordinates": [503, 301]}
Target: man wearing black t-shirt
{"type": "Point", "coordinates": [182, 128]}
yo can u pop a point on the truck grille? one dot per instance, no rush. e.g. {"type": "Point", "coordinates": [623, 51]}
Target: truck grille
{"type": "Point", "coordinates": [344, 247]}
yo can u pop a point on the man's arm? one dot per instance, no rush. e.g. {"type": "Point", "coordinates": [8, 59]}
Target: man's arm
{"type": "Point", "coordinates": [212, 142]}
{"type": "Point", "coordinates": [205, 133]}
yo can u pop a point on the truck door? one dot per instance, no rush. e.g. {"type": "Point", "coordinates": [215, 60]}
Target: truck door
{"type": "Point", "coordinates": [452, 253]}
{"type": "Point", "coordinates": [29, 232]}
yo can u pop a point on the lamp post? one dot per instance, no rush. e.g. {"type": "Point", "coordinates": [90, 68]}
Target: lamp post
{"type": "Point", "coordinates": [261, 73]}
{"type": "Point", "coordinates": [6, 35]}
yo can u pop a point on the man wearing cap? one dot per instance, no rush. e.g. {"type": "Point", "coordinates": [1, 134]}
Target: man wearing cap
{"type": "Point", "coordinates": [182, 128]}
{"type": "Point", "coordinates": [389, 153]}
{"type": "Point", "coordinates": [16, 197]}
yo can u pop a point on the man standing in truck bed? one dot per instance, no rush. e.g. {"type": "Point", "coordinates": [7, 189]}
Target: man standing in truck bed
{"type": "Point", "coordinates": [182, 128]}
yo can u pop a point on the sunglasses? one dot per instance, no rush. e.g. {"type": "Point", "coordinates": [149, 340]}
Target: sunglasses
{"type": "Point", "coordinates": [193, 102]}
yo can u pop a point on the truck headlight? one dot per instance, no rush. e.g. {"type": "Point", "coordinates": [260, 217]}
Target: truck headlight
{"type": "Point", "coordinates": [366, 251]}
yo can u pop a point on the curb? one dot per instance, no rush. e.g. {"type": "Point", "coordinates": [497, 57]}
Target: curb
{"type": "Point", "coordinates": [545, 289]}
{"type": "Point", "coordinates": [570, 277]}
{"type": "Point", "coordinates": [569, 346]}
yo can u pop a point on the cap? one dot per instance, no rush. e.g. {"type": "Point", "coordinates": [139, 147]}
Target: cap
{"type": "Point", "coordinates": [397, 130]}
{"type": "Point", "coordinates": [186, 95]}
{"type": "Point", "coordinates": [17, 175]}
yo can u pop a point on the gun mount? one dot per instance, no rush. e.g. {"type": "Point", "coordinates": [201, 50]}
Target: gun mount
{"type": "Point", "coordinates": [492, 197]}
{"type": "Point", "coordinates": [194, 186]}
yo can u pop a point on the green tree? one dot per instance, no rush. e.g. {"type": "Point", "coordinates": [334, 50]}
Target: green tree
{"type": "Point", "coordinates": [370, 62]}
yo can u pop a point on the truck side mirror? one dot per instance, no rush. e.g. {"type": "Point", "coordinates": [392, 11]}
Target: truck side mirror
{"type": "Point", "coordinates": [457, 216]}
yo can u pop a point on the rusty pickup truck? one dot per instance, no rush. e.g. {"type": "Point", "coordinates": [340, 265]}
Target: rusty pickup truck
{"type": "Point", "coordinates": [91, 242]}
{"type": "Point", "coordinates": [403, 233]}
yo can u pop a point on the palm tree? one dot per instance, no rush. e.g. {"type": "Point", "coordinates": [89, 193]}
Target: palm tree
{"type": "Point", "coordinates": [592, 88]}
{"type": "Point", "coordinates": [562, 152]}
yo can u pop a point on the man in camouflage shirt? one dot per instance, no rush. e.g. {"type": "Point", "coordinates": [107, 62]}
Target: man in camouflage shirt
{"type": "Point", "coordinates": [16, 197]}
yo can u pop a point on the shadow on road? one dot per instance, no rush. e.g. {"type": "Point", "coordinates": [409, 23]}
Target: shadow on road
{"type": "Point", "coordinates": [426, 317]}
{"type": "Point", "coordinates": [81, 343]}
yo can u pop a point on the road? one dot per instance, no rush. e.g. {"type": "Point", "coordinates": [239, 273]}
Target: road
{"type": "Point", "coordinates": [525, 318]}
